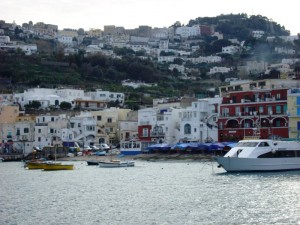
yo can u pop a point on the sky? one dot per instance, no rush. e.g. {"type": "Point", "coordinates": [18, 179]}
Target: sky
{"type": "Point", "coordinates": [131, 14]}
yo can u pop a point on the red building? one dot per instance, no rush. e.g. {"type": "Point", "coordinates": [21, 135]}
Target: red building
{"type": "Point", "coordinates": [261, 111]}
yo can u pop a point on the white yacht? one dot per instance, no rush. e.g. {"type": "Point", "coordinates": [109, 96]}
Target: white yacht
{"type": "Point", "coordinates": [261, 155]}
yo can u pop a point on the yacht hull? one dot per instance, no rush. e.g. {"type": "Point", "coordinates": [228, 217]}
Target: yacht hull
{"type": "Point", "coordinates": [235, 164]}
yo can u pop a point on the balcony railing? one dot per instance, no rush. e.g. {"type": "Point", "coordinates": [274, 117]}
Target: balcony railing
{"type": "Point", "coordinates": [252, 114]}
{"type": "Point", "coordinates": [157, 134]}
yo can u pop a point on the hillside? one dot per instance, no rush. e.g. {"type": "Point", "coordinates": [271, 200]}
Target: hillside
{"type": "Point", "coordinates": [52, 68]}
{"type": "Point", "coordinates": [240, 25]}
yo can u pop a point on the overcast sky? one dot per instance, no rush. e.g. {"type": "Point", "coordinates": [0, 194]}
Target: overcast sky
{"type": "Point", "coordinates": [133, 13]}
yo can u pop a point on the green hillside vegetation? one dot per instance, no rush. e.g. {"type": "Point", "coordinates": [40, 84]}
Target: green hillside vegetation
{"type": "Point", "coordinates": [240, 25]}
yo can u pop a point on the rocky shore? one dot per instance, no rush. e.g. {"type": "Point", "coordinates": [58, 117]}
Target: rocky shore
{"type": "Point", "coordinates": [147, 157]}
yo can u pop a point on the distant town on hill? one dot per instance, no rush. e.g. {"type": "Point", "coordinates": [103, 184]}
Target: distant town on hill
{"type": "Point", "coordinates": [181, 60]}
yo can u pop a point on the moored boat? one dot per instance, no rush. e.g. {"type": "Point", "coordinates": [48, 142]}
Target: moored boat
{"type": "Point", "coordinates": [116, 163]}
{"type": "Point", "coordinates": [92, 163]}
{"type": "Point", "coordinates": [34, 165]}
{"type": "Point", "coordinates": [261, 155]}
{"type": "Point", "coordinates": [57, 166]}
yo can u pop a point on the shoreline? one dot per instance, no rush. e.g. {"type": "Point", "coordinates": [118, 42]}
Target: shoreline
{"type": "Point", "coordinates": [147, 157]}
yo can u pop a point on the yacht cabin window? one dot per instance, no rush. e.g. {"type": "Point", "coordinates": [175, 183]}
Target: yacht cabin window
{"type": "Point", "coordinates": [263, 144]}
{"type": "Point", "coordinates": [247, 144]}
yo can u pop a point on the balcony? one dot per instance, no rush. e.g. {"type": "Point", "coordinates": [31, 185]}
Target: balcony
{"type": "Point", "coordinates": [157, 134]}
{"type": "Point", "coordinates": [252, 101]}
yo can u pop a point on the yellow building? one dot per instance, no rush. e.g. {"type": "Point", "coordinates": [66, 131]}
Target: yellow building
{"type": "Point", "coordinates": [293, 107]}
{"type": "Point", "coordinates": [108, 130]}
{"type": "Point", "coordinates": [8, 117]}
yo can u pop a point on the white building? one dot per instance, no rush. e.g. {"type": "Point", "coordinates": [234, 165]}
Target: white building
{"type": "Point", "coordinates": [186, 32]}
{"type": "Point", "coordinates": [163, 44]}
{"type": "Point", "coordinates": [135, 84]}
{"type": "Point", "coordinates": [45, 134]}
{"type": "Point", "coordinates": [179, 68]}
{"type": "Point", "coordinates": [198, 123]}
{"type": "Point", "coordinates": [4, 39]}
{"type": "Point", "coordinates": [67, 36]}
{"type": "Point", "coordinates": [106, 96]}
{"type": "Point", "coordinates": [28, 49]}
{"type": "Point", "coordinates": [48, 97]}
{"type": "Point", "coordinates": [284, 50]}
{"type": "Point", "coordinates": [162, 59]}
{"type": "Point", "coordinates": [206, 59]}
{"type": "Point", "coordinates": [290, 61]}
{"type": "Point", "coordinates": [257, 33]}
{"type": "Point", "coordinates": [83, 128]}
{"type": "Point", "coordinates": [232, 49]}
{"type": "Point", "coordinates": [216, 69]}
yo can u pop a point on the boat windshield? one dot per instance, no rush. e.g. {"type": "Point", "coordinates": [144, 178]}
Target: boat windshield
{"type": "Point", "coordinates": [247, 144]}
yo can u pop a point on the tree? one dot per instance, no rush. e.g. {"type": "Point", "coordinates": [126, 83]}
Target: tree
{"type": "Point", "coordinates": [65, 105]}
{"type": "Point", "coordinates": [33, 105]}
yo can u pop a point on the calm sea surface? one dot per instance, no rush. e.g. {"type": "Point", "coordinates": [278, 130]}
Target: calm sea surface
{"type": "Point", "coordinates": [150, 193]}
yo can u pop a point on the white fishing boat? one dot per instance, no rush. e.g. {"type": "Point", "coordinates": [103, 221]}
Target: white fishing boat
{"type": "Point", "coordinates": [116, 163]}
{"type": "Point", "coordinates": [261, 155]}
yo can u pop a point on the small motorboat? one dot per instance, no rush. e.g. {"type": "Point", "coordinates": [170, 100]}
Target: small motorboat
{"type": "Point", "coordinates": [116, 163]}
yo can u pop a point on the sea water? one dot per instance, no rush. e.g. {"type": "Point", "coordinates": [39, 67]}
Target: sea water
{"type": "Point", "coordinates": [153, 193]}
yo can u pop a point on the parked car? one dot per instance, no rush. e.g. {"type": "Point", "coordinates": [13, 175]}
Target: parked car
{"type": "Point", "coordinates": [103, 147]}
{"type": "Point", "coordinates": [94, 148]}
{"type": "Point", "coordinates": [99, 153]}
{"type": "Point", "coordinates": [87, 148]}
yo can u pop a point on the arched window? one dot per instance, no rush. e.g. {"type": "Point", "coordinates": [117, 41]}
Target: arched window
{"type": "Point", "coordinates": [187, 129]}
{"type": "Point", "coordinates": [101, 140]}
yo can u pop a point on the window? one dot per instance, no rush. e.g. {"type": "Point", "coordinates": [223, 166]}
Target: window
{"type": "Point", "coordinates": [278, 96]}
{"type": "Point", "coordinates": [237, 110]}
{"type": "Point", "coordinates": [225, 111]}
{"type": "Point", "coordinates": [246, 110]}
{"type": "Point", "coordinates": [298, 126]}
{"type": "Point", "coordinates": [109, 120]}
{"type": "Point", "coordinates": [145, 132]}
{"type": "Point", "coordinates": [52, 119]}
{"type": "Point", "coordinates": [263, 144]}
{"type": "Point", "coordinates": [261, 109]}
{"type": "Point", "coordinates": [270, 111]}
{"type": "Point", "coordinates": [90, 128]}
{"type": "Point", "coordinates": [278, 109]}
{"type": "Point", "coordinates": [51, 130]}
{"type": "Point", "coordinates": [26, 130]}
{"type": "Point", "coordinates": [39, 139]}
{"type": "Point", "coordinates": [285, 109]}
{"type": "Point", "coordinates": [39, 130]}
{"type": "Point", "coordinates": [298, 111]}
{"type": "Point", "coordinates": [187, 129]}
{"type": "Point", "coordinates": [72, 125]}
{"type": "Point", "coordinates": [298, 100]}
{"type": "Point", "coordinates": [99, 118]}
